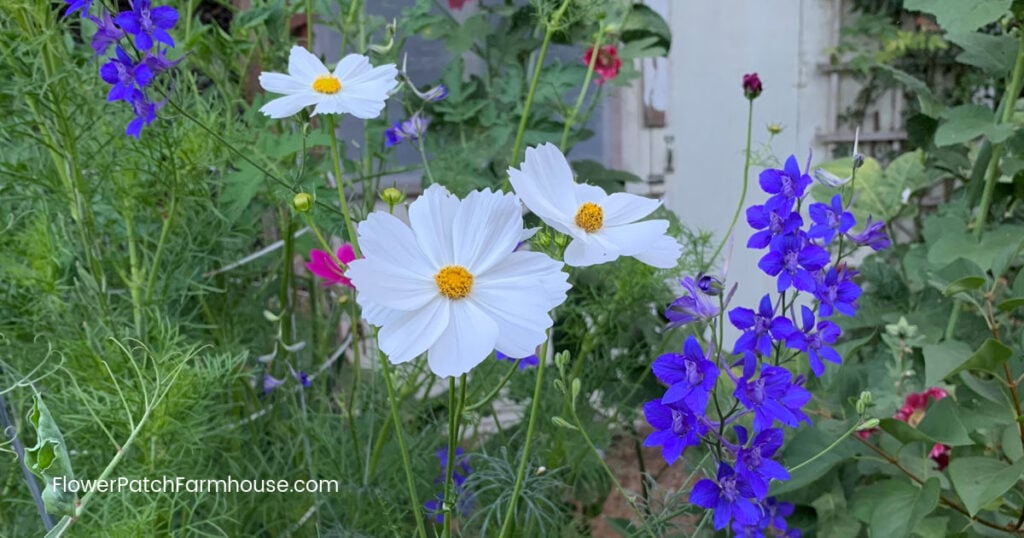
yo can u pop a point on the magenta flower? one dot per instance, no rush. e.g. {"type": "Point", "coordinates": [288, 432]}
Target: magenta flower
{"type": "Point", "coordinates": [325, 266]}
{"type": "Point", "coordinates": [752, 86]}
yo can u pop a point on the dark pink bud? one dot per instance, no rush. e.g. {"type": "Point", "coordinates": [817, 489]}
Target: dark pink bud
{"type": "Point", "coordinates": [751, 86]}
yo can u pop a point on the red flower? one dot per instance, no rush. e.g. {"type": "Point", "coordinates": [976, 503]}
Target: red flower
{"type": "Point", "coordinates": [913, 411]}
{"type": "Point", "coordinates": [607, 64]}
{"type": "Point", "coordinates": [751, 85]}
{"type": "Point", "coordinates": [325, 266]}
{"type": "Point", "coordinates": [456, 4]}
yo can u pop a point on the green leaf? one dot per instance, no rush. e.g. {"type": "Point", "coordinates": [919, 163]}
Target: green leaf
{"type": "Point", "coordinates": [967, 122]}
{"type": "Point", "coordinates": [994, 54]}
{"type": "Point", "coordinates": [979, 481]}
{"type": "Point", "coordinates": [1012, 303]}
{"type": "Point", "coordinates": [988, 357]}
{"type": "Point", "coordinates": [941, 359]}
{"type": "Point", "coordinates": [462, 39]}
{"type": "Point", "coordinates": [930, 105]}
{"type": "Point", "coordinates": [957, 243]}
{"type": "Point", "coordinates": [643, 22]}
{"type": "Point", "coordinates": [903, 432]}
{"type": "Point", "coordinates": [942, 422]}
{"type": "Point", "coordinates": [49, 459]}
{"type": "Point", "coordinates": [894, 508]}
{"type": "Point", "coordinates": [957, 16]}
{"type": "Point", "coordinates": [1010, 442]}
{"type": "Point", "coordinates": [965, 284]}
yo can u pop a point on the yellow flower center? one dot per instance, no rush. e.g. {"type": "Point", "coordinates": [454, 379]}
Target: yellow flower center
{"type": "Point", "coordinates": [328, 84]}
{"type": "Point", "coordinates": [590, 217]}
{"type": "Point", "coordinates": [454, 281]}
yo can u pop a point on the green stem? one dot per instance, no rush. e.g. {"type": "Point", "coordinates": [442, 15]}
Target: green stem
{"type": "Point", "coordinates": [1010, 99]}
{"type": "Point", "coordinates": [135, 271]}
{"type": "Point", "coordinates": [583, 91]}
{"type": "Point", "coordinates": [552, 25]}
{"type": "Point", "coordinates": [453, 433]}
{"type": "Point", "coordinates": [164, 230]}
{"type": "Point", "coordinates": [423, 157]}
{"type": "Point", "coordinates": [406, 463]}
{"type": "Point", "coordinates": [336, 157]}
{"type": "Point", "coordinates": [827, 449]}
{"type": "Point", "coordinates": [743, 193]}
{"type": "Point", "coordinates": [494, 392]}
{"type": "Point", "coordinates": [506, 526]}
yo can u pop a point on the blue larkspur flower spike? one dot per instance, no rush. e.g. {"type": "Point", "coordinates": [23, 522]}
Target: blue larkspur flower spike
{"type": "Point", "coordinates": [107, 33]}
{"type": "Point", "coordinates": [758, 327]}
{"type": "Point", "coordinates": [788, 182]}
{"type": "Point", "coordinates": [697, 306]}
{"type": "Point", "coordinates": [730, 497]}
{"type": "Point", "coordinates": [837, 292]}
{"type": "Point", "coordinates": [78, 5]}
{"type": "Point", "coordinates": [816, 341]}
{"type": "Point", "coordinates": [754, 463]}
{"type": "Point", "coordinates": [126, 76]}
{"type": "Point", "coordinates": [147, 23]}
{"type": "Point", "coordinates": [411, 129]}
{"type": "Point", "coordinates": [795, 261]}
{"type": "Point", "coordinates": [145, 113]}
{"type": "Point", "coordinates": [776, 217]}
{"type": "Point", "coordinates": [873, 236]}
{"type": "Point", "coordinates": [772, 396]}
{"type": "Point", "coordinates": [690, 376]}
{"type": "Point", "coordinates": [830, 219]}
{"type": "Point", "coordinates": [675, 429]}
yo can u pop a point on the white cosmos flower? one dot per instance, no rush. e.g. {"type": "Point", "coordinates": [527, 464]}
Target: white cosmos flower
{"type": "Point", "coordinates": [354, 87]}
{"type": "Point", "coordinates": [602, 227]}
{"type": "Point", "coordinates": [453, 285]}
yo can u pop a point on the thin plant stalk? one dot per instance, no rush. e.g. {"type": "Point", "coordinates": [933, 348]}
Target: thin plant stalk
{"type": "Point", "coordinates": [571, 119]}
{"type": "Point", "coordinates": [743, 193]}
{"type": "Point", "coordinates": [423, 157]}
{"type": "Point", "coordinates": [336, 157]}
{"type": "Point", "coordinates": [453, 440]}
{"type": "Point", "coordinates": [406, 463]}
{"type": "Point", "coordinates": [506, 526]}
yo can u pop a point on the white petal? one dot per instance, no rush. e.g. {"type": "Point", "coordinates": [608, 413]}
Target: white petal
{"type": "Point", "coordinates": [351, 66]}
{"type": "Point", "coordinates": [280, 83]}
{"type": "Point", "coordinates": [545, 184]}
{"type": "Point", "coordinates": [431, 217]}
{"type": "Point", "coordinates": [589, 193]}
{"type": "Point", "coordinates": [378, 81]}
{"type": "Point", "coordinates": [304, 66]}
{"type": "Point", "coordinates": [590, 250]}
{"type": "Point", "coordinates": [378, 315]}
{"type": "Point", "coordinates": [412, 333]}
{"type": "Point", "coordinates": [386, 239]}
{"type": "Point", "coordinates": [390, 286]}
{"type": "Point", "coordinates": [486, 229]}
{"type": "Point", "coordinates": [289, 105]}
{"type": "Point", "coordinates": [664, 253]}
{"type": "Point", "coordinates": [518, 295]}
{"type": "Point", "coordinates": [465, 343]}
{"type": "Point", "coordinates": [624, 208]}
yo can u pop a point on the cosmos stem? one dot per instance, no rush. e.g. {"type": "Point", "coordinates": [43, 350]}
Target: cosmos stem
{"type": "Point", "coordinates": [583, 91]}
{"type": "Point", "coordinates": [743, 193]}
{"type": "Point", "coordinates": [336, 157]}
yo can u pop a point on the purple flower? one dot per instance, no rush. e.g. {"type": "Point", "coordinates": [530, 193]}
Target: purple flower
{"type": "Point", "coordinates": [836, 290]}
{"type": "Point", "coordinates": [435, 94]}
{"type": "Point", "coordinates": [758, 328]}
{"type": "Point", "coordinates": [730, 498]}
{"type": "Point", "coordinates": [147, 23]}
{"type": "Point", "coordinates": [772, 523]}
{"type": "Point", "coordinates": [464, 500]}
{"type": "Point", "coordinates": [524, 363]}
{"type": "Point", "coordinates": [159, 62]}
{"type": "Point", "coordinates": [302, 377]}
{"type": "Point", "coordinates": [816, 342]}
{"type": "Point", "coordinates": [775, 217]}
{"type": "Point", "coordinates": [710, 285]}
{"type": "Point", "coordinates": [75, 5]}
{"type": "Point", "coordinates": [145, 113]}
{"type": "Point", "coordinates": [690, 376]}
{"type": "Point", "coordinates": [873, 235]}
{"type": "Point", "coordinates": [675, 429]}
{"type": "Point", "coordinates": [107, 33]}
{"type": "Point", "coordinates": [786, 183]}
{"type": "Point", "coordinates": [795, 261]}
{"type": "Point", "coordinates": [411, 129]}
{"type": "Point", "coordinates": [752, 86]}
{"type": "Point", "coordinates": [772, 396]}
{"type": "Point", "coordinates": [754, 463]}
{"type": "Point", "coordinates": [829, 219]}
{"type": "Point", "coordinates": [125, 75]}
{"type": "Point", "coordinates": [270, 383]}
{"type": "Point", "coordinates": [689, 308]}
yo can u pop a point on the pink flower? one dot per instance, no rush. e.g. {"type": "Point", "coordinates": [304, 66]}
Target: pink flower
{"type": "Point", "coordinates": [913, 412]}
{"type": "Point", "coordinates": [607, 64]}
{"type": "Point", "coordinates": [325, 266]}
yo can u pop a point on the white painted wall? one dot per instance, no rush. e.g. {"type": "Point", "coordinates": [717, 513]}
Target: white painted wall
{"type": "Point", "coordinates": [714, 44]}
